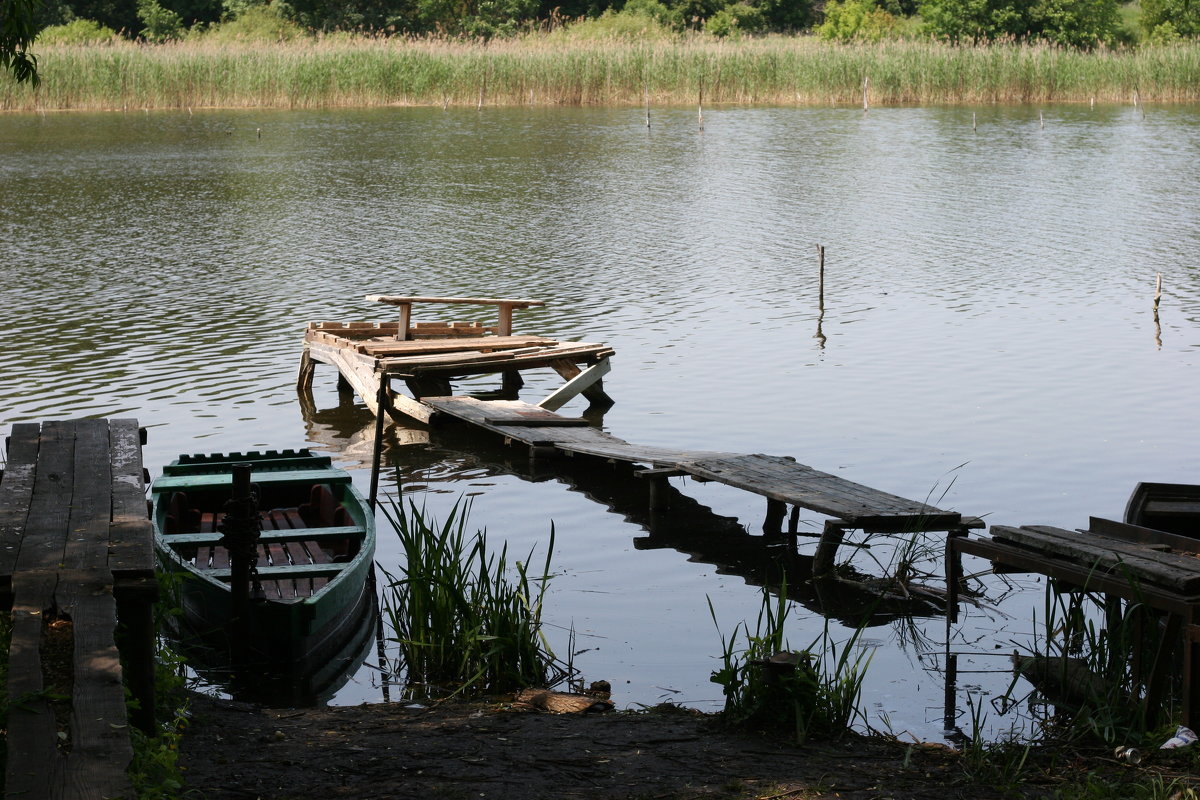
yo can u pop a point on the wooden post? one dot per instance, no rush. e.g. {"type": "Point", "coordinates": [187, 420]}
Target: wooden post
{"type": "Point", "coordinates": [776, 512]}
{"type": "Point", "coordinates": [821, 277]}
{"type": "Point", "coordinates": [827, 548]}
{"type": "Point", "coordinates": [405, 322]}
{"type": "Point", "coordinates": [240, 529]}
{"type": "Point", "coordinates": [381, 400]}
{"type": "Point", "coordinates": [866, 89]}
{"type": "Point", "coordinates": [504, 328]}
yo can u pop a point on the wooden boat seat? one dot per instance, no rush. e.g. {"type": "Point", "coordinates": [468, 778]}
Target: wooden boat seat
{"type": "Point", "coordinates": [305, 541]}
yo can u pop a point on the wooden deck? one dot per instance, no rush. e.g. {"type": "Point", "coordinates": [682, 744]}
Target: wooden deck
{"type": "Point", "coordinates": [77, 556]}
{"type": "Point", "coordinates": [780, 479]}
{"type": "Point", "coordinates": [1145, 566]}
{"type": "Point", "coordinates": [427, 356]}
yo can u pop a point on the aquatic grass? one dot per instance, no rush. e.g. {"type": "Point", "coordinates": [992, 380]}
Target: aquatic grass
{"type": "Point", "coordinates": [544, 70]}
{"type": "Point", "coordinates": [1093, 663]}
{"type": "Point", "coordinates": [767, 686]}
{"type": "Point", "coordinates": [461, 622]}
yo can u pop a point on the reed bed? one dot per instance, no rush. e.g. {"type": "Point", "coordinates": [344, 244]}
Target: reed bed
{"type": "Point", "coordinates": [544, 70]}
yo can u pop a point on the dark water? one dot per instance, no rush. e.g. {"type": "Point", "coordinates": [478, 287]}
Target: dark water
{"type": "Point", "coordinates": [988, 338]}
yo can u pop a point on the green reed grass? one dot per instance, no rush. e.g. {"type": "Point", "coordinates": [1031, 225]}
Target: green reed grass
{"type": "Point", "coordinates": [542, 69]}
{"type": "Point", "coordinates": [461, 620]}
{"type": "Point", "coordinates": [818, 697]}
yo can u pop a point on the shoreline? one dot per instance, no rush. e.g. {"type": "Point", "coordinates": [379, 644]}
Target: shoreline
{"type": "Point", "coordinates": [536, 72]}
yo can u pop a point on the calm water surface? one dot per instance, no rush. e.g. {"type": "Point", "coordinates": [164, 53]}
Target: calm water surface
{"type": "Point", "coordinates": [988, 337]}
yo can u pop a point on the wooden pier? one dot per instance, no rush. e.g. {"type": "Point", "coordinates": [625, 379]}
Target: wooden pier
{"type": "Point", "coordinates": [1154, 568]}
{"type": "Point", "coordinates": [76, 559]}
{"type": "Point", "coordinates": [427, 356]}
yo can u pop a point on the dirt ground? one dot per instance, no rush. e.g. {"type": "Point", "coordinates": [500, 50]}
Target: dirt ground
{"type": "Point", "coordinates": [234, 750]}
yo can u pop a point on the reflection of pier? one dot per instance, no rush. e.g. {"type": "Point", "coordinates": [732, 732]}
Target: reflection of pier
{"type": "Point", "coordinates": [427, 356]}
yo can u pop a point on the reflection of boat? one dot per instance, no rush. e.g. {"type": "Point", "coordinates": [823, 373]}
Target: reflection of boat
{"type": "Point", "coordinates": [279, 682]}
{"type": "Point", "coordinates": [1170, 507]}
{"type": "Point", "coordinates": [315, 552]}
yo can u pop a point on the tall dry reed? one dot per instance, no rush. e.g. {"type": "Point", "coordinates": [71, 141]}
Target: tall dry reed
{"type": "Point", "coordinates": [545, 70]}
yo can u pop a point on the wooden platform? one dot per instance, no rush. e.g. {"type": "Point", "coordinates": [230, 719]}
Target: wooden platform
{"type": "Point", "coordinates": [780, 479]}
{"type": "Point", "coordinates": [428, 356]}
{"type": "Point", "coordinates": [76, 555]}
{"type": "Point", "coordinates": [1141, 565]}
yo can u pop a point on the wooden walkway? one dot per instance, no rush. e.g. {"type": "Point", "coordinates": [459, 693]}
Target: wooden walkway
{"type": "Point", "coordinates": [1141, 565]}
{"type": "Point", "coordinates": [426, 356]}
{"type": "Point", "coordinates": [780, 479]}
{"type": "Point", "coordinates": [76, 555]}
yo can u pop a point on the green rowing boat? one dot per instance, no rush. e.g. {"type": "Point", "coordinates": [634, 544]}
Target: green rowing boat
{"type": "Point", "coordinates": [315, 552]}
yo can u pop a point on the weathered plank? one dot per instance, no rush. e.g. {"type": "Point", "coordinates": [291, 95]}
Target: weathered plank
{"type": "Point", "coordinates": [1178, 572]}
{"type": "Point", "coordinates": [482, 301]}
{"type": "Point", "coordinates": [782, 479]}
{"type": "Point", "coordinates": [16, 493]}
{"type": "Point", "coordinates": [416, 347]}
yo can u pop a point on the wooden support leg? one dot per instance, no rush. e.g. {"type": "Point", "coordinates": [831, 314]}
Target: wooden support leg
{"type": "Point", "coordinates": [831, 539]}
{"type": "Point", "coordinates": [1156, 687]}
{"type": "Point", "coordinates": [135, 640]}
{"type": "Point", "coordinates": [429, 387]}
{"type": "Point", "coordinates": [304, 378]}
{"type": "Point", "coordinates": [954, 574]}
{"type": "Point", "coordinates": [511, 383]}
{"type": "Point", "coordinates": [1191, 670]}
{"type": "Point", "coordinates": [344, 386]}
{"type": "Point", "coordinates": [776, 512]}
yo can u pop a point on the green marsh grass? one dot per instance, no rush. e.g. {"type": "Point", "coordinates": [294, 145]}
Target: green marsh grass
{"type": "Point", "coordinates": [464, 621]}
{"type": "Point", "coordinates": [819, 696]}
{"type": "Point", "coordinates": [546, 70]}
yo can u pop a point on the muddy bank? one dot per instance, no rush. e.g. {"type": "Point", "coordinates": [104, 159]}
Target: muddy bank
{"type": "Point", "coordinates": [233, 750]}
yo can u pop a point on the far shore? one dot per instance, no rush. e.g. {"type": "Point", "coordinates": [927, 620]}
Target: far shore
{"type": "Point", "coordinates": [544, 71]}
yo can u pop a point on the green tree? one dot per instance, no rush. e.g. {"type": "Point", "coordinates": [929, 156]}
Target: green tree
{"type": "Point", "coordinates": [976, 20]}
{"type": "Point", "coordinates": [1176, 17]}
{"type": "Point", "coordinates": [18, 27]}
{"type": "Point", "coordinates": [161, 24]}
{"type": "Point", "coordinates": [1076, 23]}
{"type": "Point", "coordinates": [850, 20]}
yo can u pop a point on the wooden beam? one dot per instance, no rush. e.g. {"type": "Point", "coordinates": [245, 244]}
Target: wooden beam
{"type": "Point", "coordinates": [396, 300]}
{"type": "Point", "coordinates": [576, 385]}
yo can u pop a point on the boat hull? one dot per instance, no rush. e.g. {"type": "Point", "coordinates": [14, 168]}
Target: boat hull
{"type": "Point", "coordinates": [316, 554]}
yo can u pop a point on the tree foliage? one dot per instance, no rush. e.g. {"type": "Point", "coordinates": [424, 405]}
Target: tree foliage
{"type": "Point", "coordinates": [1073, 23]}
{"type": "Point", "coordinates": [1165, 20]}
{"type": "Point", "coordinates": [18, 27]}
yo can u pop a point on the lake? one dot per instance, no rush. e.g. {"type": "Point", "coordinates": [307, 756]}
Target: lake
{"type": "Point", "coordinates": [988, 338]}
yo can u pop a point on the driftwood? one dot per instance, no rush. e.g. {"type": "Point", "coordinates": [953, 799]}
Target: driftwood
{"type": "Point", "coordinates": [560, 702]}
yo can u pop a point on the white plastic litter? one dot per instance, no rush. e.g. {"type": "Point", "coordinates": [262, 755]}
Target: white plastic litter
{"type": "Point", "coordinates": [1182, 738]}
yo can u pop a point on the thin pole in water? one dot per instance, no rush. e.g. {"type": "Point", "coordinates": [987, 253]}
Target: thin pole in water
{"type": "Point", "coordinates": [866, 87]}
{"type": "Point", "coordinates": [377, 453]}
{"type": "Point", "coordinates": [821, 277]}
{"type": "Point", "coordinates": [974, 122]}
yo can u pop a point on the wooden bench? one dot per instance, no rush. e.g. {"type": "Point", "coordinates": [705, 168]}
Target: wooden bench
{"type": "Point", "coordinates": [405, 304]}
{"type": "Point", "coordinates": [77, 572]}
{"type": "Point", "coordinates": [1141, 565]}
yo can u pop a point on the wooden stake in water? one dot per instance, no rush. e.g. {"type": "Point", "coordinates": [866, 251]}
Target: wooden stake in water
{"type": "Point", "coordinates": [821, 277]}
{"type": "Point", "coordinates": [974, 122]}
{"type": "Point", "coordinates": [646, 90]}
{"type": "Point", "coordinates": [1157, 297]}
{"type": "Point", "coordinates": [866, 91]}
{"type": "Point", "coordinates": [1041, 120]}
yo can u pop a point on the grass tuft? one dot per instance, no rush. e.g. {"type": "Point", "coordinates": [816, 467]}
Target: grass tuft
{"type": "Point", "coordinates": [461, 621]}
